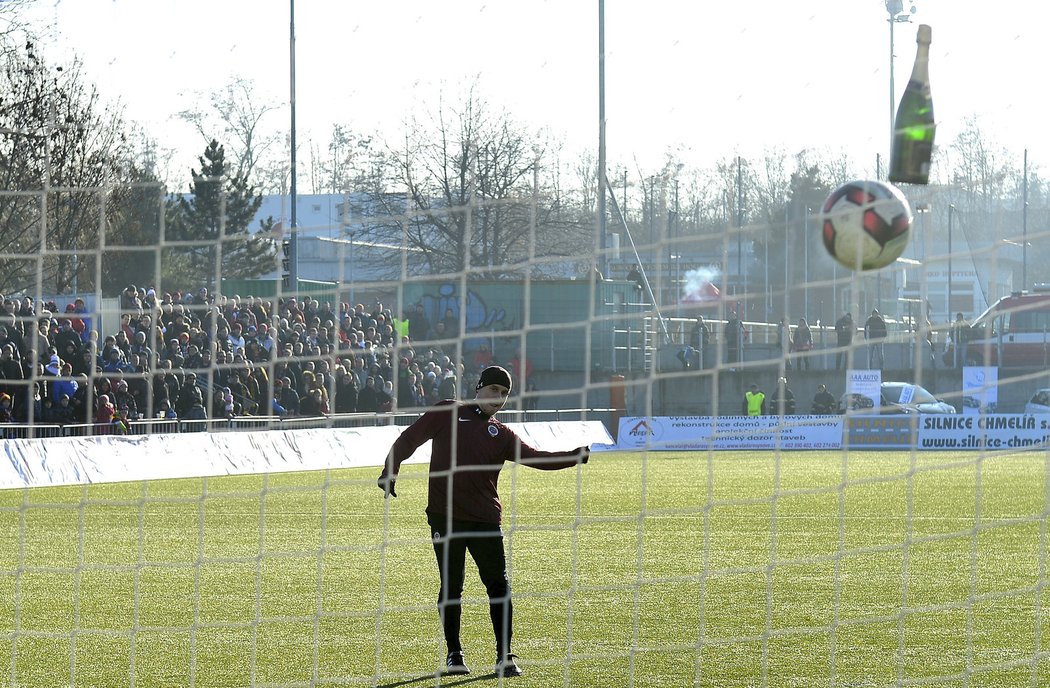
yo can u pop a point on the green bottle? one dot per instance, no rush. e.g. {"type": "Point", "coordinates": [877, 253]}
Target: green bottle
{"type": "Point", "coordinates": [914, 128]}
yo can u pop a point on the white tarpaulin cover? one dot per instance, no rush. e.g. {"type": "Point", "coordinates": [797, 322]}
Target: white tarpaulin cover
{"type": "Point", "coordinates": [79, 460]}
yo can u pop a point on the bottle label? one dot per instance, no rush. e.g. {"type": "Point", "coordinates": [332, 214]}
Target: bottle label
{"type": "Point", "coordinates": [910, 162]}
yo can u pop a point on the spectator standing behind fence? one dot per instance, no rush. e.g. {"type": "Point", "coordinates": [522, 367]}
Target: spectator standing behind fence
{"type": "Point", "coordinates": [368, 396]}
{"type": "Point", "coordinates": [802, 342]}
{"type": "Point", "coordinates": [385, 402]}
{"type": "Point", "coordinates": [60, 412]}
{"type": "Point", "coordinates": [784, 341]}
{"type": "Point", "coordinates": [83, 401]}
{"type": "Point", "coordinates": [754, 401]}
{"type": "Point", "coordinates": [310, 404]}
{"type": "Point", "coordinates": [189, 392]}
{"type": "Point", "coordinates": [6, 413]}
{"type": "Point", "coordinates": [105, 412]}
{"type": "Point", "coordinates": [418, 324]}
{"type": "Point", "coordinates": [67, 386]}
{"type": "Point", "coordinates": [959, 334]}
{"type": "Point", "coordinates": [345, 393]}
{"type": "Point", "coordinates": [875, 333]}
{"type": "Point", "coordinates": [12, 379]}
{"type": "Point", "coordinates": [845, 328]}
{"type": "Point", "coordinates": [783, 401]}
{"type": "Point", "coordinates": [125, 402]}
{"type": "Point", "coordinates": [482, 357]}
{"type": "Point", "coordinates": [10, 336]}
{"type": "Point", "coordinates": [635, 275]}
{"type": "Point", "coordinates": [406, 387]}
{"type": "Point", "coordinates": [451, 324]}
{"type": "Point", "coordinates": [700, 339]}
{"type": "Point", "coordinates": [196, 413]}
{"type": "Point", "coordinates": [521, 372]}
{"type": "Point", "coordinates": [734, 336]}
{"type": "Point", "coordinates": [67, 341]}
{"type": "Point", "coordinates": [447, 387]}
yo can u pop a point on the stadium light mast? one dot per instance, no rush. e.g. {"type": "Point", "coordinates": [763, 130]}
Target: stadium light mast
{"type": "Point", "coordinates": [1024, 227]}
{"type": "Point", "coordinates": [897, 16]}
{"type": "Point", "coordinates": [951, 213]}
{"type": "Point", "coordinates": [602, 182]}
{"type": "Point", "coordinates": [293, 229]}
{"type": "Point", "coordinates": [922, 210]}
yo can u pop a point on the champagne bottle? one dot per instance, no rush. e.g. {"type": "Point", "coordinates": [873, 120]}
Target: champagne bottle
{"type": "Point", "coordinates": [914, 128]}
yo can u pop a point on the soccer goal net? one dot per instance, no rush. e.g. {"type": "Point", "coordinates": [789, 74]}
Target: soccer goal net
{"type": "Point", "coordinates": [801, 474]}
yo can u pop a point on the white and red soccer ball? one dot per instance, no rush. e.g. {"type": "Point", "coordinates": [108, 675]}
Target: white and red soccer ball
{"type": "Point", "coordinates": [866, 224]}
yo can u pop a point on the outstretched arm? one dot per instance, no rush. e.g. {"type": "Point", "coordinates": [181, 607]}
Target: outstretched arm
{"type": "Point", "coordinates": [552, 461]}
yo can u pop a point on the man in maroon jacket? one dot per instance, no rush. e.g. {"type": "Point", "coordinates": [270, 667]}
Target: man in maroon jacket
{"type": "Point", "coordinates": [463, 508]}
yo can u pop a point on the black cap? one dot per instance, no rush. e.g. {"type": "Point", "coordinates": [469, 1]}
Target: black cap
{"type": "Point", "coordinates": [494, 375]}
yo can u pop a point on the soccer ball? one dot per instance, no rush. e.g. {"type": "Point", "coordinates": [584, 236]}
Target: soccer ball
{"type": "Point", "coordinates": [866, 224]}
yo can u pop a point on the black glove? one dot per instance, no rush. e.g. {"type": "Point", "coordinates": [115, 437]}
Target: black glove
{"type": "Point", "coordinates": [386, 484]}
{"type": "Point", "coordinates": [585, 453]}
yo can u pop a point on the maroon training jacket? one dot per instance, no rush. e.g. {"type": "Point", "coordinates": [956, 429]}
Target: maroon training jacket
{"type": "Point", "coordinates": [468, 451]}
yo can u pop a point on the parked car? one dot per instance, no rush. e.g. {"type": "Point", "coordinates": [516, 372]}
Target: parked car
{"type": "Point", "coordinates": [896, 398]}
{"type": "Point", "coordinates": [975, 402]}
{"type": "Point", "coordinates": [1039, 403]}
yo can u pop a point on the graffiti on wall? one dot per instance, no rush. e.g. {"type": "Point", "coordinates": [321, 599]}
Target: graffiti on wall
{"type": "Point", "coordinates": [480, 317]}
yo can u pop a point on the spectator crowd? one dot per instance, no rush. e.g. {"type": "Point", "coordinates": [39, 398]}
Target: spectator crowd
{"type": "Point", "coordinates": [195, 356]}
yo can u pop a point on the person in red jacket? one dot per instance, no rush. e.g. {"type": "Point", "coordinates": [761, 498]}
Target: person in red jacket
{"type": "Point", "coordinates": [463, 507]}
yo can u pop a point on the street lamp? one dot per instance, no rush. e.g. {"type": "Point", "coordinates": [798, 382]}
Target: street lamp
{"type": "Point", "coordinates": [922, 210]}
{"type": "Point", "coordinates": [353, 270]}
{"type": "Point", "coordinates": [676, 290]}
{"type": "Point", "coordinates": [951, 214]}
{"type": "Point", "coordinates": [897, 16]}
{"type": "Point", "coordinates": [805, 282]}
{"type": "Point", "coordinates": [1024, 227]}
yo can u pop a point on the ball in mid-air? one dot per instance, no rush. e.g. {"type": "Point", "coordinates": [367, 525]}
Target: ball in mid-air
{"type": "Point", "coordinates": [866, 224]}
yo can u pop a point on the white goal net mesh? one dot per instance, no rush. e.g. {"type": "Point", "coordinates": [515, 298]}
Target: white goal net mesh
{"type": "Point", "coordinates": [801, 474]}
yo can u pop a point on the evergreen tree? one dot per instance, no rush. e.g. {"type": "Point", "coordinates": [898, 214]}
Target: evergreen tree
{"type": "Point", "coordinates": [214, 222]}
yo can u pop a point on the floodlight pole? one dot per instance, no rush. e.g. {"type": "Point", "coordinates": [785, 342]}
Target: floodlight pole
{"type": "Point", "coordinates": [293, 230]}
{"type": "Point", "coordinates": [1024, 228]}
{"type": "Point", "coordinates": [742, 300]}
{"type": "Point", "coordinates": [602, 184]}
{"type": "Point", "coordinates": [951, 214]}
{"type": "Point", "coordinates": [805, 284]}
{"type": "Point", "coordinates": [895, 9]}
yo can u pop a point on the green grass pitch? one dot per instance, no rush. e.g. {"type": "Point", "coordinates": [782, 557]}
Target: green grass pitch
{"type": "Point", "coordinates": [662, 569]}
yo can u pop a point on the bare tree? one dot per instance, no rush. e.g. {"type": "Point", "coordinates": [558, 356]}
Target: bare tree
{"type": "Point", "coordinates": [69, 165]}
{"type": "Point", "coordinates": [476, 195]}
{"type": "Point", "coordinates": [353, 162]}
{"type": "Point", "coordinates": [235, 114]}
{"type": "Point", "coordinates": [981, 170]}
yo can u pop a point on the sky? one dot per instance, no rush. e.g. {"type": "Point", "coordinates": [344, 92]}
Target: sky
{"type": "Point", "coordinates": [704, 80]}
